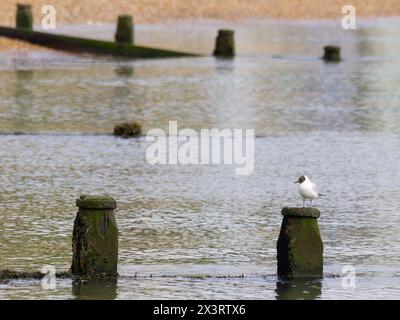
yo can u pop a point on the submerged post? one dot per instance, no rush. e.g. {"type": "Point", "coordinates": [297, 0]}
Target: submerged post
{"type": "Point", "coordinates": [124, 32]}
{"type": "Point", "coordinates": [95, 237]}
{"type": "Point", "coordinates": [225, 44]}
{"type": "Point", "coordinates": [331, 54]}
{"type": "Point", "coordinates": [24, 19]}
{"type": "Point", "coordinates": [299, 245]}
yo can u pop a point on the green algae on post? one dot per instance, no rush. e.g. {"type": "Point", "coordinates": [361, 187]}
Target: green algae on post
{"type": "Point", "coordinates": [299, 247]}
{"type": "Point", "coordinates": [24, 18]}
{"type": "Point", "coordinates": [95, 237]}
{"type": "Point", "coordinates": [125, 33]}
{"type": "Point", "coordinates": [96, 202]}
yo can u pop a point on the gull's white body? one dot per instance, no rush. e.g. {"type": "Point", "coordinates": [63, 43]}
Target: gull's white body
{"type": "Point", "coordinates": [308, 190]}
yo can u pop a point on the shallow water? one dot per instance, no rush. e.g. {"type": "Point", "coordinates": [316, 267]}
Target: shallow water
{"type": "Point", "coordinates": [193, 231]}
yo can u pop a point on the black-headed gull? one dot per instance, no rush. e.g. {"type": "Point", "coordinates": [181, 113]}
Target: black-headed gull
{"type": "Point", "coordinates": [308, 189]}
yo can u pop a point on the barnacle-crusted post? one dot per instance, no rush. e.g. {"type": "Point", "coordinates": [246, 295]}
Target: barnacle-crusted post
{"type": "Point", "coordinates": [95, 237]}
{"type": "Point", "coordinates": [299, 245]}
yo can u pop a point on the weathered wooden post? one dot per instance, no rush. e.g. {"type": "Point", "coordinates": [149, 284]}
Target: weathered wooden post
{"type": "Point", "coordinates": [300, 248]}
{"type": "Point", "coordinates": [124, 32]}
{"type": "Point", "coordinates": [128, 130]}
{"type": "Point", "coordinates": [24, 18]}
{"type": "Point", "coordinates": [331, 54]}
{"type": "Point", "coordinates": [225, 44]}
{"type": "Point", "coordinates": [95, 237]}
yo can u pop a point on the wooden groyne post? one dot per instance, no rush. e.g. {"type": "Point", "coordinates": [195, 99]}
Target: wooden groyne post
{"type": "Point", "coordinates": [225, 44]}
{"type": "Point", "coordinates": [24, 17]}
{"type": "Point", "coordinates": [331, 54]}
{"type": "Point", "coordinates": [125, 31]}
{"type": "Point", "coordinates": [299, 247]}
{"type": "Point", "coordinates": [95, 237]}
{"type": "Point", "coordinates": [128, 130]}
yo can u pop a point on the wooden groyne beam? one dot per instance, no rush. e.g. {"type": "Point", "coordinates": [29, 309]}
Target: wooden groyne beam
{"type": "Point", "coordinates": [123, 46]}
{"type": "Point", "coordinates": [79, 45]}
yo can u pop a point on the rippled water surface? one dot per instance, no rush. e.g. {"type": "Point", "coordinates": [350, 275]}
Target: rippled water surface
{"type": "Point", "coordinates": [202, 231]}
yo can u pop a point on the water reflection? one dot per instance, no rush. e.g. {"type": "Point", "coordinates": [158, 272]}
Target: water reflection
{"type": "Point", "coordinates": [224, 66]}
{"type": "Point", "coordinates": [23, 97]}
{"type": "Point", "coordinates": [122, 88]}
{"type": "Point", "coordinates": [95, 289]}
{"type": "Point", "coordinates": [124, 71]}
{"type": "Point", "coordinates": [307, 289]}
{"type": "Point", "coordinates": [271, 95]}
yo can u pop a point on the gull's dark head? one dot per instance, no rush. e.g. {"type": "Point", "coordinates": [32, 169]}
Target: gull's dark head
{"type": "Point", "coordinates": [301, 180]}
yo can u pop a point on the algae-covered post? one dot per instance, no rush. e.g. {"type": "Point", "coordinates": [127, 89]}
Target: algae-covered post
{"type": "Point", "coordinates": [125, 33]}
{"type": "Point", "coordinates": [300, 248]}
{"type": "Point", "coordinates": [225, 44]}
{"type": "Point", "coordinates": [24, 19]}
{"type": "Point", "coordinates": [95, 237]}
{"type": "Point", "coordinates": [331, 54]}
